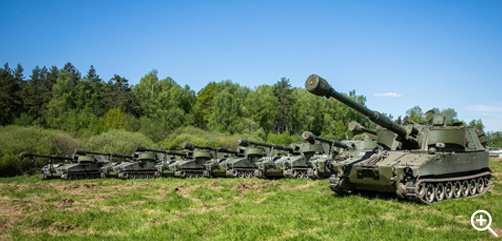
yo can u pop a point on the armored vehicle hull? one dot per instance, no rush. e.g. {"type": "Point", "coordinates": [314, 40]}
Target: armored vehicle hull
{"type": "Point", "coordinates": [415, 175]}
{"type": "Point", "coordinates": [320, 167]}
{"type": "Point", "coordinates": [189, 168]}
{"type": "Point", "coordinates": [51, 171]}
{"type": "Point", "coordinates": [134, 170]}
{"type": "Point", "coordinates": [77, 171]}
{"type": "Point", "coordinates": [217, 168]}
{"type": "Point", "coordinates": [241, 167]}
{"type": "Point", "coordinates": [163, 169]}
{"type": "Point", "coordinates": [295, 167]}
{"type": "Point", "coordinates": [273, 167]}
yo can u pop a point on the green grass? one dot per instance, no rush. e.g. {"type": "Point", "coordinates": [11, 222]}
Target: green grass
{"type": "Point", "coordinates": [225, 209]}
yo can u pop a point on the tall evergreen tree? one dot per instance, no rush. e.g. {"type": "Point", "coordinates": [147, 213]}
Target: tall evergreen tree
{"type": "Point", "coordinates": [10, 100]}
{"type": "Point", "coordinates": [284, 93]}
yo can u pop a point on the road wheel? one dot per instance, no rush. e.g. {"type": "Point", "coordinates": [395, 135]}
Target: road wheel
{"type": "Point", "coordinates": [465, 188]}
{"type": "Point", "coordinates": [500, 155]}
{"type": "Point", "coordinates": [439, 192]}
{"type": "Point", "coordinates": [241, 174]}
{"type": "Point", "coordinates": [430, 192]}
{"type": "Point", "coordinates": [480, 184]}
{"type": "Point", "coordinates": [473, 187]}
{"type": "Point", "coordinates": [448, 190]}
{"type": "Point", "coordinates": [295, 174]}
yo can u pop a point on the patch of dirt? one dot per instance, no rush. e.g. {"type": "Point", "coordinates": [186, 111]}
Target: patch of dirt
{"type": "Point", "coordinates": [183, 190]}
{"type": "Point", "coordinates": [65, 202]}
{"type": "Point", "coordinates": [304, 186]}
{"type": "Point", "coordinates": [9, 215]}
{"type": "Point", "coordinates": [388, 217]}
{"type": "Point", "coordinates": [82, 188]}
{"type": "Point", "coordinates": [498, 231]}
{"type": "Point", "coordinates": [58, 227]}
{"type": "Point", "coordinates": [246, 187]}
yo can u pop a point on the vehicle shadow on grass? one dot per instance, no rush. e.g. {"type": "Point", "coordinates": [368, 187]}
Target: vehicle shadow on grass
{"type": "Point", "coordinates": [370, 195]}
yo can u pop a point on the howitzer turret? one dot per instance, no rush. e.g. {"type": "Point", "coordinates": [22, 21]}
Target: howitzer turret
{"type": "Point", "coordinates": [427, 162]}
{"type": "Point", "coordinates": [190, 146]}
{"type": "Point", "coordinates": [357, 128]}
{"type": "Point", "coordinates": [167, 152]}
{"type": "Point", "coordinates": [407, 135]}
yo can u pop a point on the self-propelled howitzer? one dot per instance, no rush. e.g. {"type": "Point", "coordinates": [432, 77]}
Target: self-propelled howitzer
{"type": "Point", "coordinates": [233, 163]}
{"type": "Point", "coordinates": [51, 170]}
{"type": "Point", "coordinates": [243, 163]}
{"type": "Point", "coordinates": [194, 165]}
{"type": "Point", "coordinates": [427, 162]}
{"type": "Point", "coordinates": [320, 163]}
{"type": "Point", "coordinates": [164, 159]}
{"type": "Point", "coordinates": [273, 165]}
{"type": "Point", "coordinates": [141, 166]}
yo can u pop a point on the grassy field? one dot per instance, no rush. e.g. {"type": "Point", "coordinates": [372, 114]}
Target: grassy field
{"type": "Point", "coordinates": [229, 209]}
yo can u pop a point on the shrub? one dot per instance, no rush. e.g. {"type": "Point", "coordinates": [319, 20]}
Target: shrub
{"type": "Point", "coordinates": [284, 138]}
{"type": "Point", "coordinates": [16, 139]}
{"type": "Point", "coordinates": [119, 141]}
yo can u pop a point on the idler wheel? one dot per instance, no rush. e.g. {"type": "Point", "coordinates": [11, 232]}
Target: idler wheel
{"type": "Point", "coordinates": [448, 190]}
{"type": "Point", "coordinates": [465, 188]}
{"type": "Point", "coordinates": [429, 192]}
{"type": "Point", "coordinates": [439, 191]}
{"type": "Point", "coordinates": [473, 187]}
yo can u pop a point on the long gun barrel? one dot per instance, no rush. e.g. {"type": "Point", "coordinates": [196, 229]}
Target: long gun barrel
{"type": "Point", "coordinates": [311, 138]}
{"type": "Point", "coordinates": [319, 86]}
{"type": "Point", "coordinates": [24, 154]}
{"type": "Point", "coordinates": [167, 152]}
{"type": "Point", "coordinates": [357, 128]}
{"type": "Point", "coordinates": [244, 142]}
{"type": "Point", "coordinates": [190, 146]}
{"type": "Point", "coordinates": [85, 152]}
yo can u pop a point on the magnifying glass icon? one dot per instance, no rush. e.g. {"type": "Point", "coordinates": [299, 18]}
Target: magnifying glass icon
{"type": "Point", "coordinates": [475, 218]}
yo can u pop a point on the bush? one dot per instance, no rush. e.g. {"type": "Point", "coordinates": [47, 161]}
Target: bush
{"type": "Point", "coordinates": [16, 139]}
{"type": "Point", "coordinates": [205, 138]}
{"type": "Point", "coordinates": [119, 141]}
{"type": "Point", "coordinates": [284, 138]}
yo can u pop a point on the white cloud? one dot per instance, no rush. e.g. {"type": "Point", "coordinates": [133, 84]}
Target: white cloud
{"type": "Point", "coordinates": [387, 94]}
{"type": "Point", "coordinates": [485, 108]}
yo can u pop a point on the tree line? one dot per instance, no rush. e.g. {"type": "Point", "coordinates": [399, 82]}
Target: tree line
{"type": "Point", "coordinates": [86, 105]}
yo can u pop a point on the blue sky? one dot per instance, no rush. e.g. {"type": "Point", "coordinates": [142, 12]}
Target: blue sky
{"type": "Point", "coordinates": [444, 54]}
